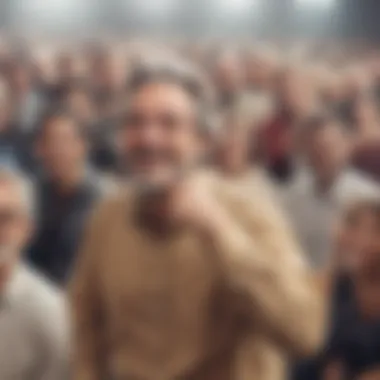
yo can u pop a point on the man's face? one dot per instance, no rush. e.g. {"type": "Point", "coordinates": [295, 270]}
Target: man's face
{"type": "Point", "coordinates": [14, 222]}
{"type": "Point", "coordinates": [296, 92]}
{"type": "Point", "coordinates": [61, 146]}
{"type": "Point", "coordinates": [229, 74]}
{"type": "Point", "coordinates": [160, 139]}
{"type": "Point", "coordinates": [358, 236]}
{"type": "Point", "coordinates": [327, 149]}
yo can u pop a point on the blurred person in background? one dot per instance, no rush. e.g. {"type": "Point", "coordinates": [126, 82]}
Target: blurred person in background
{"type": "Point", "coordinates": [107, 77]}
{"type": "Point", "coordinates": [366, 123]}
{"type": "Point", "coordinates": [238, 135]}
{"type": "Point", "coordinates": [67, 73]}
{"type": "Point", "coordinates": [78, 100]}
{"type": "Point", "coordinates": [229, 77]}
{"type": "Point", "coordinates": [102, 130]}
{"type": "Point", "coordinates": [354, 236]}
{"type": "Point", "coordinates": [355, 84]}
{"type": "Point", "coordinates": [324, 184]}
{"type": "Point", "coordinates": [33, 321]}
{"type": "Point", "coordinates": [184, 274]}
{"type": "Point", "coordinates": [28, 102]}
{"type": "Point", "coordinates": [353, 350]}
{"type": "Point", "coordinates": [67, 190]}
{"type": "Point", "coordinates": [262, 67]}
{"type": "Point", "coordinates": [15, 145]}
{"type": "Point", "coordinates": [296, 99]}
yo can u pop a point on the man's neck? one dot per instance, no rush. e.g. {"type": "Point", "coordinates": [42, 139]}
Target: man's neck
{"type": "Point", "coordinates": [324, 181]}
{"type": "Point", "coordinates": [151, 214]}
{"type": "Point", "coordinates": [66, 183]}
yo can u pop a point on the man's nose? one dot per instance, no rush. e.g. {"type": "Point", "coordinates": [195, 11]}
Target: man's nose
{"type": "Point", "coordinates": [150, 134]}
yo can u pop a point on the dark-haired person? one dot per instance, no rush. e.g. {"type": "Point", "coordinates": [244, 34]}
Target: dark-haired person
{"type": "Point", "coordinates": [101, 128]}
{"type": "Point", "coordinates": [15, 144]}
{"type": "Point", "coordinates": [67, 190]}
{"type": "Point", "coordinates": [296, 98]}
{"type": "Point", "coordinates": [353, 350]}
{"type": "Point", "coordinates": [27, 100]}
{"type": "Point", "coordinates": [366, 124]}
{"type": "Point", "coordinates": [324, 183]}
{"type": "Point", "coordinates": [185, 275]}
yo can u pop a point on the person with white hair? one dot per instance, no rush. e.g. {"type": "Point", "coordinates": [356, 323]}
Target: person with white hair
{"type": "Point", "coordinates": [186, 274]}
{"type": "Point", "coordinates": [33, 325]}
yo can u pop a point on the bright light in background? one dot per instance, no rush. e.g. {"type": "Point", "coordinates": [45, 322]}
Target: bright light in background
{"type": "Point", "coordinates": [155, 8]}
{"type": "Point", "coordinates": [54, 13]}
{"type": "Point", "coordinates": [325, 4]}
{"type": "Point", "coordinates": [236, 6]}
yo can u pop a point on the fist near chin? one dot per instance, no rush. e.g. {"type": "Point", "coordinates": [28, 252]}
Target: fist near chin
{"type": "Point", "coordinates": [193, 203]}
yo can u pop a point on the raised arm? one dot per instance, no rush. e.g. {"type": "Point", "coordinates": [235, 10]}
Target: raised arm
{"type": "Point", "coordinates": [265, 267]}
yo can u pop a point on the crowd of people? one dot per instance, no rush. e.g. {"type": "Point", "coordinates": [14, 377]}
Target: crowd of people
{"type": "Point", "coordinates": [297, 131]}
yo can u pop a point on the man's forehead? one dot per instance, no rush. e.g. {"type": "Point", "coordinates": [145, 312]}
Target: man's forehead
{"type": "Point", "coordinates": [163, 94]}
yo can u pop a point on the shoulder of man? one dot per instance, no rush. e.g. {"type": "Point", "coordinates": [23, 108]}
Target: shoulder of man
{"type": "Point", "coordinates": [355, 185]}
{"type": "Point", "coordinates": [44, 306]}
{"type": "Point", "coordinates": [255, 207]}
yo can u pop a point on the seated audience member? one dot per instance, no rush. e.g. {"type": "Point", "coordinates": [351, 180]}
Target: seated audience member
{"type": "Point", "coordinates": [353, 351]}
{"type": "Point", "coordinates": [33, 325]}
{"type": "Point", "coordinates": [66, 190]}
{"type": "Point", "coordinates": [322, 186]}
{"type": "Point", "coordinates": [366, 122]}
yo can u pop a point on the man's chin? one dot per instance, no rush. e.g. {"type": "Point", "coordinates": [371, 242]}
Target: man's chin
{"type": "Point", "coordinates": [155, 184]}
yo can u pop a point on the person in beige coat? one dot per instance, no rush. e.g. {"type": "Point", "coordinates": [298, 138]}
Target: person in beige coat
{"type": "Point", "coordinates": [187, 275]}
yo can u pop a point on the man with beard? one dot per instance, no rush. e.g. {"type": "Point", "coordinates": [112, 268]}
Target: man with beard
{"type": "Point", "coordinates": [33, 326]}
{"type": "Point", "coordinates": [186, 275]}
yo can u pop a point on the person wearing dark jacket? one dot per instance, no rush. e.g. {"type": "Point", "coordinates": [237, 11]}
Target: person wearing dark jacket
{"type": "Point", "coordinates": [66, 191]}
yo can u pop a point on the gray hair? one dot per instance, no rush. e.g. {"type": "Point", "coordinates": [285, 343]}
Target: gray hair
{"type": "Point", "coordinates": [174, 70]}
{"type": "Point", "coordinates": [23, 185]}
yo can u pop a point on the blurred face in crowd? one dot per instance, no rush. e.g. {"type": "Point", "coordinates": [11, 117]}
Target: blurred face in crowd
{"type": "Point", "coordinates": [15, 225]}
{"type": "Point", "coordinates": [65, 66]}
{"type": "Point", "coordinates": [108, 73]}
{"type": "Point", "coordinates": [296, 92]}
{"type": "Point", "coordinates": [19, 78]}
{"type": "Point", "coordinates": [161, 138]}
{"type": "Point", "coordinates": [261, 71]}
{"type": "Point", "coordinates": [356, 82]}
{"type": "Point", "coordinates": [367, 273]}
{"type": "Point", "coordinates": [327, 150]}
{"type": "Point", "coordinates": [81, 105]}
{"type": "Point", "coordinates": [366, 115]}
{"type": "Point", "coordinates": [234, 146]}
{"type": "Point", "coordinates": [5, 107]}
{"type": "Point", "coordinates": [357, 236]}
{"type": "Point", "coordinates": [229, 73]}
{"type": "Point", "coordinates": [61, 147]}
